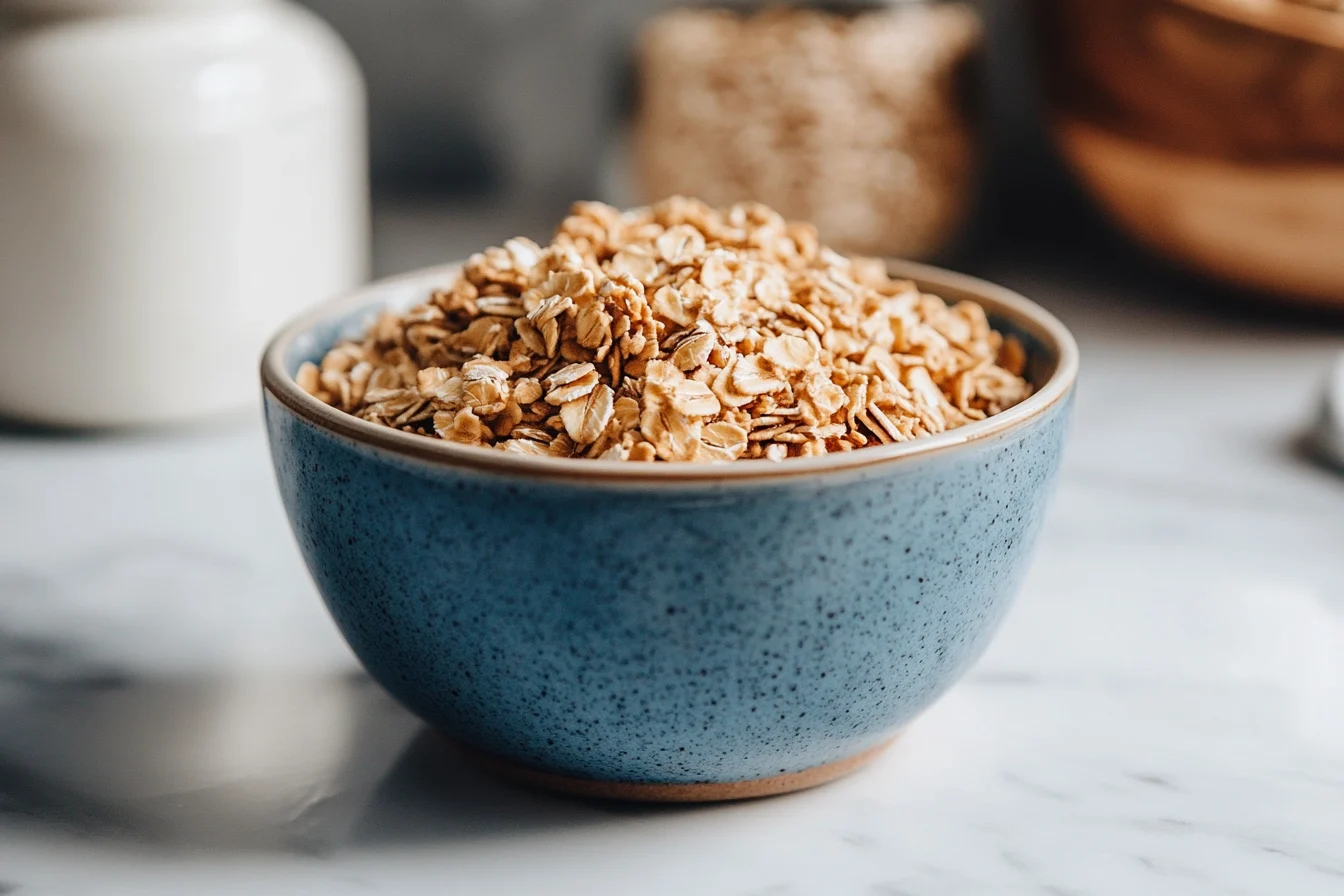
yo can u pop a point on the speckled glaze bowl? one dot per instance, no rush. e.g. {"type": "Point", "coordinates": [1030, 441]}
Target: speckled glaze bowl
{"type": "Point", "coordinates": [665, 631]}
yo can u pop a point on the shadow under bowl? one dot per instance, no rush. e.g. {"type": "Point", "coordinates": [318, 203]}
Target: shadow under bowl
{"type": "Point", "coordinates": [667, 631]}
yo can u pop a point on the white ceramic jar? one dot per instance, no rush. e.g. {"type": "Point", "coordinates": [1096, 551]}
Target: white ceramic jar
{"type": "Point", "coordinates": [177, 177]}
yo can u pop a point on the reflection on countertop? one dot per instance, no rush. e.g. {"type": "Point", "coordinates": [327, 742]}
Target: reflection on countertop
{"type": "Point", "coordinates": [1162, 714]}
{"type": "Point", "coordinates": [296, 763]}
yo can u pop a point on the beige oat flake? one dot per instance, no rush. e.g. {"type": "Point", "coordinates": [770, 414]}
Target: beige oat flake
{"type": "Point", "coordinates": [676, 332]}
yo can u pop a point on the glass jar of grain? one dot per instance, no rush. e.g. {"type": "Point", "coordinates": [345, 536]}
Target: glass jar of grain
{"type": "Point", "coordinates": [860, 118]}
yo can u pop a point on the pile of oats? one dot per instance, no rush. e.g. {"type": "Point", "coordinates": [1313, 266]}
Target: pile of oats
{"type": "Point", "coordinates": [857, 123]}
{"type": "Point", "coordinates": [679, 333]}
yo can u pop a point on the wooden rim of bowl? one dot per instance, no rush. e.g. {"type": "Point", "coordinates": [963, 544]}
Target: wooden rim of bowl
{"type": "Point", "coordinates": [1024, 314]}
{"type": "Point", "coordinates": [1283, 17]}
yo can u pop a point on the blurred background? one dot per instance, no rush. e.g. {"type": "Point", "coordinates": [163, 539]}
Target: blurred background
{"type": "Point", "coordinates": [231, 151]}
{"type": "Point", "coordinates": [534, 102]}
{"type": "Point", "coordinates": [951, 131]}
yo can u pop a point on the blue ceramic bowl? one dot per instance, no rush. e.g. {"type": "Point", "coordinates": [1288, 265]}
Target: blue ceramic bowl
{"type": "Point", "coordinates": [664, 631]}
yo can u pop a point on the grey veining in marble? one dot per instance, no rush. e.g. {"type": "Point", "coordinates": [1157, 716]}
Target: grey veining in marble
{"type": "Point", "coordinates": [1163, 712]}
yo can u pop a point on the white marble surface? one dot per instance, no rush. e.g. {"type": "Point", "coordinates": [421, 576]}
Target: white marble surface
{"type": "Point", "coordinates": [1163, 712]}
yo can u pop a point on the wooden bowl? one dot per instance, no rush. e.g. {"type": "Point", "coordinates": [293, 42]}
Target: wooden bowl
{"type": "Point", "coordinates": [1211, 130]}
{"type": "Point", "coordinates": [1277, 228]}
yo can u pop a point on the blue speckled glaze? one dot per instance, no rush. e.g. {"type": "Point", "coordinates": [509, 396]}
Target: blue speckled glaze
{"type": "Point", "coordinates": [670, 632]}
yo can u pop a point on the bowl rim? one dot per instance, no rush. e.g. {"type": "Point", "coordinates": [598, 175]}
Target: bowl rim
{"type": "Point", "coordinates": [1024, 313]}
{"type": "Point", "coordinates": [1287, 19]}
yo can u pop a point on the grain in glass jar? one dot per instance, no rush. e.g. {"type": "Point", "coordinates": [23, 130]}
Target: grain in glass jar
{"type": "Point", "coordinates": [858, 118]}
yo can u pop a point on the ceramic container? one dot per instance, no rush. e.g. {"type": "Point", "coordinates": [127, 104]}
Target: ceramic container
{"type": "Point", "coordinates": [178, 178]}
{"type": "Point", "coordinates": [667, 631]}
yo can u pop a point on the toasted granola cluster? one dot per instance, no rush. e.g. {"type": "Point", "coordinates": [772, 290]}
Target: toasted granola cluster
{"type": "Point", "coordinates": [676, 332]}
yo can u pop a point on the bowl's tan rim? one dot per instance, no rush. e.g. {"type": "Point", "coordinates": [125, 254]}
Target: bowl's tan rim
{"type": "Point", "coordinates": [1282, 17]}
{"type": "Point", "coordinates": [1026, 314]}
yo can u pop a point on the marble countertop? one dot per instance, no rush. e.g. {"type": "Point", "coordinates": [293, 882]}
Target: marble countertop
{"type": "Point", "coordinates": [1163, 712]}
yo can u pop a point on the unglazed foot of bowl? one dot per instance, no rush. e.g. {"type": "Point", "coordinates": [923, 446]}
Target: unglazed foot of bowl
{"type": "Point", "coordinates": [645, 792]}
